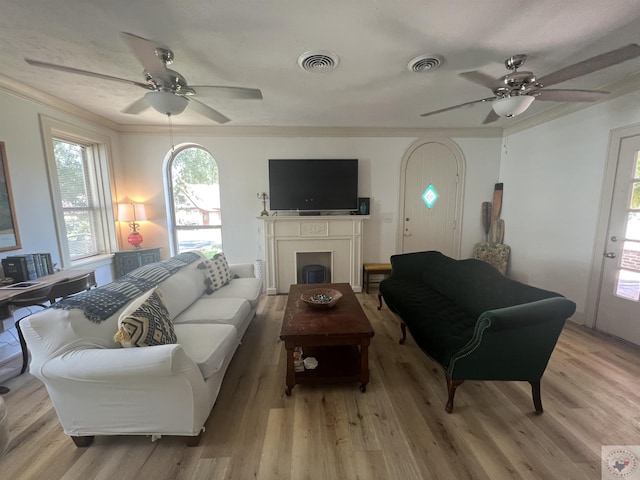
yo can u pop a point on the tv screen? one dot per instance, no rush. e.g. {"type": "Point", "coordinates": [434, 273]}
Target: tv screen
{"type": "Point", "coordinates": [313, 184]}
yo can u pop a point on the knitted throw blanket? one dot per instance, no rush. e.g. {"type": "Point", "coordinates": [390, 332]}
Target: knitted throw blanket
{"type": "Point", "coordinates": [102, 302]}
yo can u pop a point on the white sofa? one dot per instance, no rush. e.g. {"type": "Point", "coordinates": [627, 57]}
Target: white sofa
{"type": "Point", "coordinates": [99, 388]}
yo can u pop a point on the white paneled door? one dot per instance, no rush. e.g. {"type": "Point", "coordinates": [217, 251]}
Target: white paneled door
{"type": "Point", "coordinates": [431, 197]}
{"type": "Point", "coordinates": [619, 303]}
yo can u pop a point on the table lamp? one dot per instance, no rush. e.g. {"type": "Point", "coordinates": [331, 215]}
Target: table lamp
{"type": "Point", "coordinates": [132, 213]}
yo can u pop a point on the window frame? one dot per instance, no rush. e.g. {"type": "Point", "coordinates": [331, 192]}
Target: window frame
{"type": "Point", "coordinates": [98, 151]}
{"type": "Point", "coordinates": [169, 197]}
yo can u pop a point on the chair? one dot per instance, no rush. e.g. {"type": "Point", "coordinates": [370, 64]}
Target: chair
{"type": "Point", "coordinates": [33, 298]}
{"type": "Point", "coordinates": [66, 288]}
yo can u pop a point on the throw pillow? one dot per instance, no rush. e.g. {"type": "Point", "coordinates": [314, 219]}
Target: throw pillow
{"type": "Point", "coordinates": [146, 324]}
{"type": "Point", "coordinates": [216, 272]}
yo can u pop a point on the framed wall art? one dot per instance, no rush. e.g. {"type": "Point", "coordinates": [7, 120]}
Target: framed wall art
{"type": "Point", "coordinates": [9, 235]}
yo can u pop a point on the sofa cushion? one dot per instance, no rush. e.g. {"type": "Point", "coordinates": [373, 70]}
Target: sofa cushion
{"type": "Point", "coordinates": [182, 288]}
{"type": "Point", "coordinates": [217, 272]}
{"type": "Point", "coordinates": [412, 266]}
{"type": "Point", "coordinates": [209, 346]}
{"type": "Point", "coordinates": [145, 322]}
{"type": "Point", "coordinates": [477, 287]}
{"type": "Point", "coordinates": [438, 325]}
{"type": "Point", "coordinates": [247, 288]}
{"type": "Point", "coordinates": [230, 311]}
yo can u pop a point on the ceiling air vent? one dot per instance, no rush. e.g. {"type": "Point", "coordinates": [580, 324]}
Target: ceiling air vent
{"type": "Point", "coordinates": [318, 61]}
{"type": "Point", "coordinates": [425, 63]}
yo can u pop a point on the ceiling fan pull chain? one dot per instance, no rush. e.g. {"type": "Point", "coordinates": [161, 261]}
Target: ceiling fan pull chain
{"type": "Point", "coordinates": [173, 148]}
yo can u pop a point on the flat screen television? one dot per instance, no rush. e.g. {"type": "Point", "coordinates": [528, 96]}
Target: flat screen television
{"type": "Point", "coordinates": [316, 185]}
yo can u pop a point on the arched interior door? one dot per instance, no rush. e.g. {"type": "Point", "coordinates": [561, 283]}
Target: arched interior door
{"type": "Point", "coordinates": [431, 197]}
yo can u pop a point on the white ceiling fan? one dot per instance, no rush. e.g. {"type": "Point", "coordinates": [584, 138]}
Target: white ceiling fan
{"type": "Point", "coordinates": [516, 91]}
{"type": "Point", "coordinates": [169, 92]}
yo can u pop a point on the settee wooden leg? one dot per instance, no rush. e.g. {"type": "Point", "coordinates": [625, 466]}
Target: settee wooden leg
{"type": "Point", "coordinates": [535, 392]}
{"type": "Point", "coordinates": [403, 327]}
{"type": "Point", "coordinates": [379, 301]}
{"type": "Point", "coordinates": [194, 441]}
{"type": "Point", "coordinates": [451, 387]}
{"type": "Point", "coordinates": [82, 442]}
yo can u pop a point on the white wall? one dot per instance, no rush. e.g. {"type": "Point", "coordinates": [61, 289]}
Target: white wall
{"type": "Point", "coordinates": [243, 167]}
{"type": "Point", "coordinates": [552, 176]}
{"type": "Point", "coordinates": [138, 164]}
{"type": "Point", "coordinates": [20, 130]}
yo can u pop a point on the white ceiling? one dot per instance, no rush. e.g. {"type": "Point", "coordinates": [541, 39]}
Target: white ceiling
{"type": "Point", "coordinates": [256, 43]}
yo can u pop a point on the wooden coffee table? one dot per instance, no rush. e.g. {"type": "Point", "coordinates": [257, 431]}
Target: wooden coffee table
{"type": "Point", "coordinates": [337, 337]}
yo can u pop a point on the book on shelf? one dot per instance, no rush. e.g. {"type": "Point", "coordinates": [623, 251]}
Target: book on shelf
{"type": "Point", "coordinates": [49, 262]}
{"type": "Point", "coordinates": [28, 266]}
{"type": "Point", "coordinates": [16, 268]}
{"type": "Point", "coordinates": [32, 273]}
{"type": "Point", "coordinates": [38, 265]}
{"type": "Point", "coordinates": [41, 259]}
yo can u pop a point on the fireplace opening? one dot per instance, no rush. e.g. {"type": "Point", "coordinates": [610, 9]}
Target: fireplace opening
{"type": "Point", "coordinates": [313, 267]}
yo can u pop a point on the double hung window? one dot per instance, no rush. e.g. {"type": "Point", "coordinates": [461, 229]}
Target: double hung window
{"type": "Point", "coordinates": [79, 179]}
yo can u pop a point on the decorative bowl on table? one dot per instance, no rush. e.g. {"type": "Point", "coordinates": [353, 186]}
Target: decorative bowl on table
{"type": "Point", "coordinates": [321, 297]}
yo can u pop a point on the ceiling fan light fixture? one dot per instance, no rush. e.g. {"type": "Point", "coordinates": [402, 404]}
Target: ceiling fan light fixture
{"type": "Point", "coordinates": [167, 103]}
{"type": "Point", "coordinates": [512, 106]}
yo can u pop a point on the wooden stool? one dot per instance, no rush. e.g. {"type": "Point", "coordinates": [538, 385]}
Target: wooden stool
{"type": "Point", "coordinates": [373, 269]}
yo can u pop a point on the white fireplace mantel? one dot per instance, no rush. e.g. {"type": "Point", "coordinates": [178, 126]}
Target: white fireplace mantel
{"type": "Point", "coordinates": [287, 239]}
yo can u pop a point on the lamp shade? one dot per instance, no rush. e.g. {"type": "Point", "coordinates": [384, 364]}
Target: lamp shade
{"type": "Point", "coordinates": [512, 106]}
{"type": "Point", "coordinates": [131, 212]}
{"type": "Point", "coordinates": [166, 102]}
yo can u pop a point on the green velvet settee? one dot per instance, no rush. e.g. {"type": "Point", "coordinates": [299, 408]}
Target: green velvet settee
{"type": "Point", "coordinates": [472, 320]}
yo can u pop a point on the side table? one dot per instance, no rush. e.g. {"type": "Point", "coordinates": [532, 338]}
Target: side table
{"type": "Point", "coordinates": [373, 269]}
{"type": "Point", "coordinates": [128, 260]}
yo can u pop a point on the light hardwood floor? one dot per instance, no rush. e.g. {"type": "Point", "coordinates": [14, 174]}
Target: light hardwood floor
{"type": "Point", "coordinates": [398, 429]}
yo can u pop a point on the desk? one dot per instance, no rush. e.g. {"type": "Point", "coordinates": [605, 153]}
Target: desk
{"type": "Point", "coordinates": [6, 294]}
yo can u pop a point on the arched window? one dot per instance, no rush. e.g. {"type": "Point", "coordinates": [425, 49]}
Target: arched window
{"type": "Point", "coordinates": [193, 201]}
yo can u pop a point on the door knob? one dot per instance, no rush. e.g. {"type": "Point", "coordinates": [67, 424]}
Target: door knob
{"type": "Point", "coordinates": [610, 255]}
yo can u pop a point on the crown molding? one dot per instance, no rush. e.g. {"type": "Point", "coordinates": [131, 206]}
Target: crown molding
{"type": "Point", "coordinates": [13, 87]}
{"type": "Point", "coordinates": [25, 92]}
{"type": "Point", "coordinates": [271, 131]}
{"type": "Point", "coordinates": [31, 94]}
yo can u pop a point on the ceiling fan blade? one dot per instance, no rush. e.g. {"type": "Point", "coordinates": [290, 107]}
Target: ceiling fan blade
{"type": "Point", "coordinates": [557, 95]}
{"type": "Point", "coordinates": [137, 107]}
{"type": "Point", "coordinates": [227, 92]}
{"type": "Point", "coordinates": [207, 111]}
{"type": "Point", "coordinates": [38, 63]}
{"type": "Point", "coordinates": [146, 52]}
{"type": "Point", "coordinates": [491, 117]}
{"type": "Point", "coordinates": [462, 105]}
{"type": "Point", "coordinates": [592, 64]}
{"type": "Point", "coordinates": [481, 79]}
